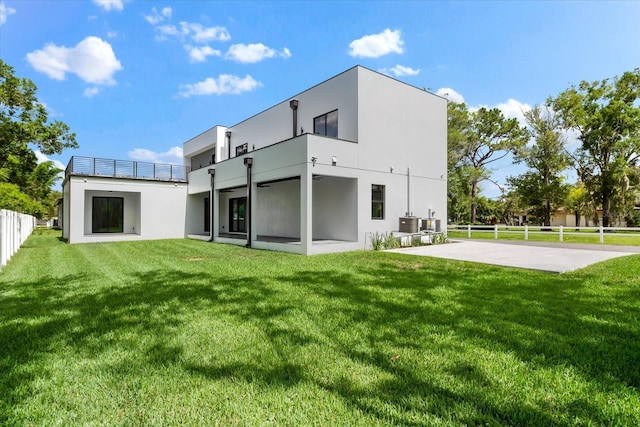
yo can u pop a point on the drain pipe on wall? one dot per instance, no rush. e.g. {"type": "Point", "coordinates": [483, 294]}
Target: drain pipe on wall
{"type": "Point", "coordinates": [212, 174]}
{"type": "Point", "coordinates": [294, 106]}
{"type": "Point", "coordinates": [248, 162]}
{"type": "Point", "coordinates": [228, 134]}
{"type": "Point", "coordinates": [409, 213]}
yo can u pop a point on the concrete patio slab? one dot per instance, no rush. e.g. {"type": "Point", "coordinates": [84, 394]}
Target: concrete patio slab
{"type": "Point", "coordinates": [551, 258]}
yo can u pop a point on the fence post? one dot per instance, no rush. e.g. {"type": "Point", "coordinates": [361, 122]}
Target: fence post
{"type": "Point", "coordinates": [468, 231]}
{"type": "Point", "coordinates": [495, 231]}
{"type": "Point", "coordinates": [601, 232]}
{"type": "Point", "coordinates": [526, 232]}
{"type": "Point", "coordinates": [561, 236]}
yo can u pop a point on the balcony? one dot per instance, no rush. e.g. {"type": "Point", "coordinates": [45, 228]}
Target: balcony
{"type": "Point", "coordinates": [92, 166]}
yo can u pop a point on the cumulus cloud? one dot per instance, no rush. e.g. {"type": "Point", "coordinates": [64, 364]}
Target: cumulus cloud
{"type": "Point", "coordinates": [401, 71]}
{"type": "Point", "coordinates": [109, 5]}
{"type": "Point", "coordinates": [92, 60]}
{"type": "Point", "coordinates": [513, 109]}
{"type": "Point", "coordinates": [376, 45]}
{"type": "Point", "coordinates": [225, 84]}
{"type": "Point", "coordinates": [157, 17]}
{"type": "Point", "coordinates": [90, 92]}
{"type": "Point", "coordinates": [200, 53]}
{"type": "Point", "coordinates": [450, 94]}
{"type": "Point", "coordinates": [254, 52]}
{"type": "Point", "coordinates": [5, 12]}
{"type": "Point", "coordinates": [196, 32]}
{"type": "Point", "coordinates": [172, 156]}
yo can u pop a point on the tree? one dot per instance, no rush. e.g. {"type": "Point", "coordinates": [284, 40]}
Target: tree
{"type": "Point", "coordinates": [486, 138]}
{"type": "Point", "coordinates": [23, 122]}
{"type": "Point", "coordinates": [542, 187]}
{"type": "Point", "coordinates": [606, 114]}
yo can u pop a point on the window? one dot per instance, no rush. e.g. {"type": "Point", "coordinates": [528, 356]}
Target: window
{"type": "Point", "coordinates": [377, 201]}
{"type": "Point", "coordinates": [326, 124]}
{"type": "Point", "coordinates": [241, 149]}
{"type": "Point", "coordinates": [107, 215]}
{"type": "Point", "coordinates": [237, 207]}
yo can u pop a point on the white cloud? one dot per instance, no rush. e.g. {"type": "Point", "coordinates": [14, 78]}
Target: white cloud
{"type": "Point", "coordinates": [92, 60]}
{"type": "Point", "coordinates": [200, 53]}
{"type": "Point", "coordinates": [376, 45]}
{"type": "Point", "coordinates": [172, 156]}
{"type": "Point", "coordinates": [513, 109]}
{"type": "Point", "coordinates": [201, 34]}
{"type": "Point", "coordinates": [157, 17]}
{"type": "Point", "coordinates": [400, 71]}
{"type": "Point", "coordinates": [225, 84]}
{"type": "Point", "coordinates": [254, 52]}
{"type": "Point", "coordinates": [450, 94]}
{"type": "Point", "coordinates": [90, 92]}
{"type": "Point", "coordinates": [112, 34]}
{"type": "Point", "coordinates": [197, 32]}
{"type": "Point", "coordinates": [5, 12]}
{"type": "Point", "coordinates": [110, 4]}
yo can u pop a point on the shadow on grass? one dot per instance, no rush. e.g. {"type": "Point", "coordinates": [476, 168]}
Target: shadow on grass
{"type": "Point", "coordinates": [384, 314]}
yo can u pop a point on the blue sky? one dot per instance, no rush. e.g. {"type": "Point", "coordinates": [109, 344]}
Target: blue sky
{"type": "Point", "coordinates": [136, 79]}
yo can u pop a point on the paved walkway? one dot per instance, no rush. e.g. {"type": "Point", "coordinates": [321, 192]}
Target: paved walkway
{"type": "Point", "coordinates": [552, 257]}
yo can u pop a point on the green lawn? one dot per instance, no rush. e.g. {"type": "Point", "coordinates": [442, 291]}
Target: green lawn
{"type": "Point", "coordinates": [181, 332]}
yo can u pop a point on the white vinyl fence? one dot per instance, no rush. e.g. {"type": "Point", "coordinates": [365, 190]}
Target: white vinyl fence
{"type": "Point", "coordinates": [14, 230]}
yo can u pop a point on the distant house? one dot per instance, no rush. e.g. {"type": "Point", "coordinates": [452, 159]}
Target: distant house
{"type": "Point", "coordinates": [318, 172]}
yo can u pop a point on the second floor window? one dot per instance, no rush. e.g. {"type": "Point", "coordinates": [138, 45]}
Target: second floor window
{"type": "Point", "coordinates": [241, 149]}
{"type": "Point", "coordinates": [326, 124]}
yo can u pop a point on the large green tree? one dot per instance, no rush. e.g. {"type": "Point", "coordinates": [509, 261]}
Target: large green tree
{"type": "Point", "coordinates": [24, 123]}
{"type": "Point", "coordinates": [542, 187]}
{"type": "Point", "coordinates": [485, 136]}
{"type": "Point", "coordinates": [606, 114]}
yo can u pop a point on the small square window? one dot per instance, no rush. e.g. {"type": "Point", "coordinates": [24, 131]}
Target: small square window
{"type": "Point", "coordinates": [242, 149]}
{"type": "Point", "coordinates": [326, 124]}
{"type": "Point", "coordinates": [377, 201]}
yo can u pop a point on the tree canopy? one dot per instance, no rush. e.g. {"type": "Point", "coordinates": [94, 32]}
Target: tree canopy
{"type": "Point", "coordinates": [606, 114]}
{"type": "Point", "coordinates": [24, 123]}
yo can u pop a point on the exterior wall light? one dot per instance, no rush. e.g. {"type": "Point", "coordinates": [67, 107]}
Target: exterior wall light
{"type": "Point", "coordinates": [390, 169]}
{"type": "Point", "coordinates": [314, 160]}
{"type": "Point", "coordinates": [334, 160]}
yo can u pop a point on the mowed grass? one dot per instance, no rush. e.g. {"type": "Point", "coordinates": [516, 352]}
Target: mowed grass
{"type": "Point", "coordinates": [181, 332]}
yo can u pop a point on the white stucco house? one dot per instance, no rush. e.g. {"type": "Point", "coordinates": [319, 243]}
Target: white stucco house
{"type": "Point", "coordinates": [319, 172]}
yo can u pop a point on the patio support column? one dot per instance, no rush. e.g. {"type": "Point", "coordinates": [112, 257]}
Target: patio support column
{"type": "Point", "coordinates": [306, 211]}
{"type": "Point", "coordinates": [212, 174]}
{"type": "Point", "coordinates": [248, 162]}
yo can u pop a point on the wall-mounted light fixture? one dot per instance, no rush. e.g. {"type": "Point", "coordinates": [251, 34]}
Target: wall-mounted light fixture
{"type": "Point", "coordinates": [334, 160]}
{"type": "Point", "coordinates": [390, 169]}
{"type": "Point", "coordinates": [314, 159]}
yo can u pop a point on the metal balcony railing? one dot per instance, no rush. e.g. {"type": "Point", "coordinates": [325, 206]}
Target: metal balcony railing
{"type": "Point", "coordinates": [92, 166]}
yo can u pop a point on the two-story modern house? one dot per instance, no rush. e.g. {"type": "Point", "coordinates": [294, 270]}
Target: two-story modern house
{"type": "Point", "coordinates": [318, 172]}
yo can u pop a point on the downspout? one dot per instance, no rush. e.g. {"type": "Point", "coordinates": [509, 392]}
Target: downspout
{"type": "Point", "coordinates": [409, 192]}
{"type": "Point", "coordinates": [294, 106]}
{"type": "Point", "coordinates": [228, 134]}
{"type": "Point", "coordinates": [212, 174]}
{"type": "Point", "coordinates": [248, 162]}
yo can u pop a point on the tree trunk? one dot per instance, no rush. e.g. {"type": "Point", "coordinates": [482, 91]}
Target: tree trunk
{"type": "Point", "coordinates": [577, 214]}
{"type": "Point", "coordinates": [547, 214]}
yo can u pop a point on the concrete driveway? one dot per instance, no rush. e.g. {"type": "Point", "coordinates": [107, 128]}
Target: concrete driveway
{"type": "Point", "coordinates": [557, 258]}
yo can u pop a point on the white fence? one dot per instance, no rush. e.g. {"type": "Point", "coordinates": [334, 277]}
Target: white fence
{"type": "Point", "coordinates": [562, 232]}
{"type": "Point", "coordinates": [14, 230]}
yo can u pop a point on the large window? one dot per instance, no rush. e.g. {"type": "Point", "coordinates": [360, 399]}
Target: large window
{"type": "Point", "coordinates": [108, 213]}
{"type": "Point", "coordinates": [237, 207]}
{"type": "Point", "coordinates": [377, 201]}
{"type": "Point", "coordinates": [326, 124]}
